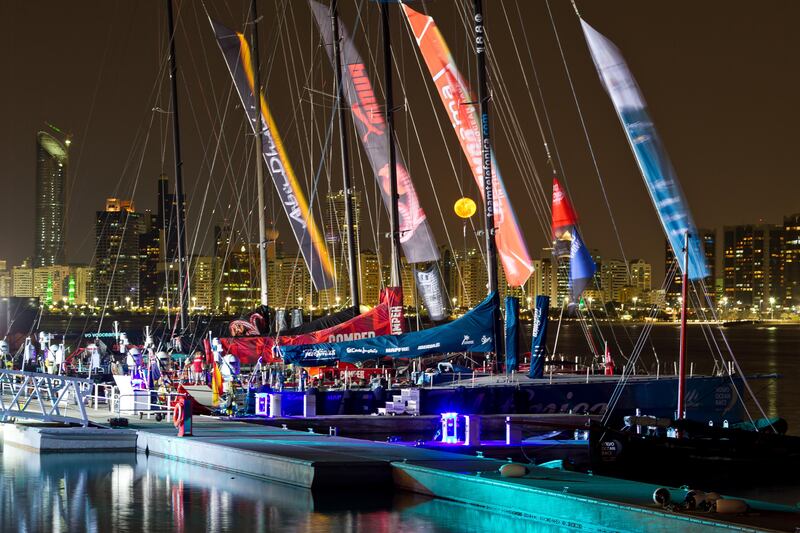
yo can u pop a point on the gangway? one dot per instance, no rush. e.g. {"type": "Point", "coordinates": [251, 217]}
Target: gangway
{"type": "Point", "coordinates": [44, 397]}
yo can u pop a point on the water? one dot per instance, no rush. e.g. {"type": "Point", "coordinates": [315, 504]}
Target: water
{"type": "Point", "coordinates": [759, 349]}
{"type": "Point", "coordinates": [128, 492]}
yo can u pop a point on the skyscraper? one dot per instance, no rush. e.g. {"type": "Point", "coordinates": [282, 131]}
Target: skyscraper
{"type": "Point", "coordinates": [709, 238]}
{"type": "Point", "coordinates": [117, 254]}
{"type": "Point", "coordinates": [336, 237]}
{"type": "Point", "coordinates": [791, 260]}
{"type": "Point", "coordinates": [52, 157]}
{"type": "Point", "coordinates": [752, 263]}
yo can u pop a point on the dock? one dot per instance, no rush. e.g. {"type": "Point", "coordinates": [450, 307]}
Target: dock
{"type": "Point", "coordinates": [322, 462]}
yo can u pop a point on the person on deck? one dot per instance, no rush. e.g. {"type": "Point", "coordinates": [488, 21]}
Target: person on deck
{"type": "Point", "coordinates": [197, 368]}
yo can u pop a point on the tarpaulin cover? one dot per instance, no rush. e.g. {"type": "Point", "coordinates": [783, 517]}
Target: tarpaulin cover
{"type": "Point", "coordinates": [473, 332]}
{"type": "Point", "coordinates": [375, 322]}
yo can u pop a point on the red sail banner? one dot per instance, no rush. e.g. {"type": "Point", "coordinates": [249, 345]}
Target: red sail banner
{"type": "Point", "coordinates": [457, 99]}
{"type": "Point", "coordinates": [384, 319]}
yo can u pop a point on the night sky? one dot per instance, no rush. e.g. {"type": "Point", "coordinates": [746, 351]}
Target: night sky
{"type": "Point", "coordinates": [721, 80]}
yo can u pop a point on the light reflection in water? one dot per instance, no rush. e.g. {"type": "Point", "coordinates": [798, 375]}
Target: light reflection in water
{"type": "Point", "coordinates": [127, 492]}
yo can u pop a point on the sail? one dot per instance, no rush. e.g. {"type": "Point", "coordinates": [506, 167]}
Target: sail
{"type": "Point", "coordinates": [654, 164]}
{"type": "Point", "coordinates": [512, 333]}
{"type": "Point", "coordinates": [236, 52]}
{"type": "Point", "coordinates": [428, 279]}
{"type": "Point", "coordinates": [416, 237]}
{"type": "Point", "coordinates": [567, 242]}
{"type": "Point", "coordinates": [457, 99]}
{"type": "Point", "coordinates": [473, 332]}
{"type": "Point", "coordinates": [539, 336]}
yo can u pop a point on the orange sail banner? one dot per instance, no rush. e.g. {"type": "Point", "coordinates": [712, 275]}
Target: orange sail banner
{"type": "Point", "coordinates": [457, 99]}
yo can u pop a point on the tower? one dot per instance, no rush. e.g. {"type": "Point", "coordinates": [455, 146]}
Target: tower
{"type": "Point", "coordinates": [52, 157]}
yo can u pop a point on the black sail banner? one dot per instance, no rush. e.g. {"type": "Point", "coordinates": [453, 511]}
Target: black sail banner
{"type": "Point", "coordinates": [416, 237]}
{"type": "Point", "coordinates": [236, 52]}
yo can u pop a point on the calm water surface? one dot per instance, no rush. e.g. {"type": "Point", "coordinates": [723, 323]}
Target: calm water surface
{"type": "Point", "coordinates": [128, 492]}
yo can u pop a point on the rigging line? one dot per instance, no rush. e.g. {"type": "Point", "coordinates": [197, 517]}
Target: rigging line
{"type": "Point", "coordinates": [724, 338]}
{"type": "Point", "coordinates": [586, 137]}
{"type": "Point", "coordinates": [617, 393]}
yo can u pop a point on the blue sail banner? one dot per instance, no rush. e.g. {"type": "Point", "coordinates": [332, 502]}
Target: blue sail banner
{"type": "Point", "coordinates": [581, 267]}
{"type": "Point", "coordinates": [512, 333]}
{"type": "Point", "coordinates": [654, 164]}
{"type": "Point", "coordinates": [473, 332]}
{"type": "Point", "coordinates": [539, 336]}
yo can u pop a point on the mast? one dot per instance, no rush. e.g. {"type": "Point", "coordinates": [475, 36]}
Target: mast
{"type": "Point", "coordinates": [183, 286]}
{"type": "Point", "coordinates": [682, 353]}
{"type": "Point", "coordinates": [394, 215]}
{"type": "Point", "coordinates": [352, 266]}
{"type": "Point", "coordinates": [486, 157]}
{"type": "Point", "coordinates": [262, 230]}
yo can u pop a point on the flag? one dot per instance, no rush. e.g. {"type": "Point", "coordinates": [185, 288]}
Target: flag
{"type": "Point", "coordinates": [216, 384]}
{"type": "Point", "coordinates": [512, 333]}
{"type": "Point", "coordinates": [581, 267]}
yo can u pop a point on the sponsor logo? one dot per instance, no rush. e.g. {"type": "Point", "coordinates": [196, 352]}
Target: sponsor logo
{"type": "Point", "coordinates": [467, 341]}
{"type": "Point", "coordinates": [486, 339]}
{"type": "Point", "coordinates": [429, 346]}
{"type": "Point", "coordinates": [352, 336]}
{"type": "Point", "coordinates": [361, 350]}
{"type": "Point", "coordinates": [395, 319]}
{"type": "Point", "coordinates": [366, 110]}
{"type": "Point", "coordinates": [398, 349]}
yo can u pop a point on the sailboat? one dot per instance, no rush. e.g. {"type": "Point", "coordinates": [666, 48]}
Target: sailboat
{"type": "Point", "coordinates": [674, 449]}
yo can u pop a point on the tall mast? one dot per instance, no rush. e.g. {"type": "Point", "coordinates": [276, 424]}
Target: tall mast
{"type": "Point", "coordinates": [394, 216]}
{"type": "Point", "coordinates": [352, 253]}
{"type": "Point", "coordinates": [486, 158]}
{"type": "Point", "coordinates": [682, 353]}
{"type": "Point", "coordinates": [486, 145]}
{"type": "Point", "coordinates": [262, 230]}
{"type": "Point", "coordinates": [183, 285]}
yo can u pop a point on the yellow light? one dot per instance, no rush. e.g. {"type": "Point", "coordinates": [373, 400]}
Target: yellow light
{"type": "Point", "coordinates": [465, 207]}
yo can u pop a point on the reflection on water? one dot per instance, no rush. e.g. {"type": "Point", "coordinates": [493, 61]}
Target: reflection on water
{"type": "Point", "coordinates": [127, 492]}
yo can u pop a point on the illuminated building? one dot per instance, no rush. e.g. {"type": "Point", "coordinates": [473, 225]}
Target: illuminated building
{"type": "Point", "coordinates": [709, 238]}
{"type": "Point", "coordinates": [235, 270]}
{"type": "Point", "coordinates": [52, 157]}
{"type": "Point", "coordinates": [336, 238]}
{"type": "Point", "coordinates": [752, 263]}
{"type": "Point", "coordinates": [791, 260]}
{"type": "Point", "coordinates": [117, 255]}
{"type": "Point", "coordinates": [201, 273]}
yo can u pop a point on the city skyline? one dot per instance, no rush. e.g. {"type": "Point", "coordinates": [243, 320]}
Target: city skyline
{"type": "Point", "coordinates": [104, 165]}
